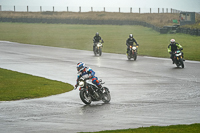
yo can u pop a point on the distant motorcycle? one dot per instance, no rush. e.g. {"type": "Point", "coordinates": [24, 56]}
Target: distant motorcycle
{"type": "Point", "coordinates": [98, 48]}
{"type": "Point", "coordinates": [132, 53]}
{"type": "Point", "coordinates": [178, 58]}
{"type": "Point", "coordinates": [90, 92]}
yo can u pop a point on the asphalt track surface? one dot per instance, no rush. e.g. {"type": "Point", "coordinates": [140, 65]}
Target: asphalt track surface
{"type": "Point", "coordinates": [147, 92]}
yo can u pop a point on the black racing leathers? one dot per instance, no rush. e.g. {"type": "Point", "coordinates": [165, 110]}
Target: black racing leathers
{"type": "Point", "coordinates": [172, 48]}
{"type": "Point", "coordinates": [96, 39]}
{"type": "Point", "coordinates": [130, 41]}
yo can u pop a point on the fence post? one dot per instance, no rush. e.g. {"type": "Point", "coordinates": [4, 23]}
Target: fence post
{"type": "Point", "coordinates": [104, 9]}
{"type": "Point", "coordinates": [53, 8]}
{"type": "Point", "coordinates": [139, 10]}
{"type": "Point", "coordinates": [40, 8]}
{"type": "Point", "coordinates": [171, 10]}
{"type": "Point", "coordinates": [163, 10]}
{"type": "Point", "coordinates": [166, 10]}
{"type": "Point", "coordinates": [0, 7]}
{"type": "Point", "coordinates": [14, 8]}
{"type": "Point", "coordinates": [91, 9]}
{"type": "Point", "coordinates": [79, 8]}
{"type": "Point", "coordinates": [150, 10]}
{"type": "Point", "coordinates": [27, 8]}
{"type": "Point", "coordinates": [67, 9]}
{"type": "Point", "coordinates": [158, 10]}
{"type": "Point", "coordinates": [119, 9]}
{"type": "Point", "coordinates": [131, 10]}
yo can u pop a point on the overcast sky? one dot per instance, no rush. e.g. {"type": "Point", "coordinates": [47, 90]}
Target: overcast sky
{"type": "Point", "coordinates": [184, 5]}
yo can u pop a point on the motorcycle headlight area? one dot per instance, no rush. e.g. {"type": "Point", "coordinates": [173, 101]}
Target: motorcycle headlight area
{"type": "Point", "coordinates": [134, 48]}
{"type": "Point", "coordinates": [178, 54]}
{"type": "Point", "coordinates": [99, 45]}
{"type": "Point", "coordinates": [81, 83]}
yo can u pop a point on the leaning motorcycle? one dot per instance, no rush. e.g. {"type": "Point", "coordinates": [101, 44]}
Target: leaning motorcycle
{"type": "Point", "coordinates": [90, 92]}
{"type": "Point", "coordinates": [98, 48]}
{"type": "Point", "coordinates": [178, 58]}
{"type": "Point", "coordinates": [132, 53]}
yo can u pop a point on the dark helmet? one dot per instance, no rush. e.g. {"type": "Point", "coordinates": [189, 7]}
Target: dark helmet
{"type": "Point", "coordinates": [97, 34]}
{"type": "Point", "coordinates": [131, 36]}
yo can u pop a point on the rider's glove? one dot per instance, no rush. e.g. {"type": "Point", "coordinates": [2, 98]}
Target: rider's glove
{"type": "Point", "coordinates": [75, 87]}
{"type": "Point", "coordinates": [90, 76]}
{"type": "Point", "coordinates": [170, 52]}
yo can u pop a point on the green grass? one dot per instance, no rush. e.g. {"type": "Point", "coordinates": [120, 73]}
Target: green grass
{"type": "Point", "coordinates": [157, 19]}
{"type": "Point", "coordinates": [193, 128]}
{"type": "Point", "coordinates": [16, 86]}
{"type": "Point", "coordinates": [152, 43]}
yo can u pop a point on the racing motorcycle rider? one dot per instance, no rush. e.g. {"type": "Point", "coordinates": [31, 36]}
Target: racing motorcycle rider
{"type": "Point", "coordinates": [172, 47]}
{"type": "Point", "coordinates": [96, 39]}
{"type": "Point", "coordinates": [86, 72]}
{"type": "Point", "coordinates": [130, 41]}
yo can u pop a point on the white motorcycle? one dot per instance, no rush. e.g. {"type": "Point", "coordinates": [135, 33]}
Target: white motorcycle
{"type": "Point", "coordinates": [98, 48]}
{"type": "Point", "coordinates": [132, 53]}
{"type": "Point", "coordinates": [90, 92]}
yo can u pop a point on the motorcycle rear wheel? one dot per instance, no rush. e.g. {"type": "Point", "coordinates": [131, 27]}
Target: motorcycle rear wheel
{"type": "Point", "coordinates": [84, 95]}
{"type": "Point", "coordinates": [106, 95]}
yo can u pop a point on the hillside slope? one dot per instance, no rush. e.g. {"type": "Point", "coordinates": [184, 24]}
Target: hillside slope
{"type": "Point", "coordinates": [156, 19]}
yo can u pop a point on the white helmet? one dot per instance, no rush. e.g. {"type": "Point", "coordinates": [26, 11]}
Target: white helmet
{"type": "Point", "coordinates": [172, 40]}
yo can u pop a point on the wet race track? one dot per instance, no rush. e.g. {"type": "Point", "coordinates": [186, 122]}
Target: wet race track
{"type": "Point", "coordinates": [146, 92]}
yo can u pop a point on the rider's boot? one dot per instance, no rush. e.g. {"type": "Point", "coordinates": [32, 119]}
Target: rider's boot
{"type": "Point", "coordinates": [100, 88]}
{"type": "Point", "coordinates": [127, 52]}
{"type": "Point", "coordinates": [173, 61]}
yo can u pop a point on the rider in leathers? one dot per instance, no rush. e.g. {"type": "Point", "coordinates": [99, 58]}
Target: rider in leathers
{"type": "Point", "coordinates": [96, 39]}
{"type": "Point", "coordinates": [130, 41]}
{"type": "Point", "coordinates": [172, 47]}
{"type": "Point", "coordinates": [86, 72]}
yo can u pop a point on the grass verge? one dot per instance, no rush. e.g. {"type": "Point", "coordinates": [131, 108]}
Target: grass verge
{"type": "Point", "coordinates": [16, 86]}
{"type": "Point", "coordinates": [193, 128]}
{"type": "Point", "coordinates": [151, 42]}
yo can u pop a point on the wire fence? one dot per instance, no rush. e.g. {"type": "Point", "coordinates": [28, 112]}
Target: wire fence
{"type": "Point", "coordinates": [85, 9]}
{"type": "Point", "coordinates": [91, 9]}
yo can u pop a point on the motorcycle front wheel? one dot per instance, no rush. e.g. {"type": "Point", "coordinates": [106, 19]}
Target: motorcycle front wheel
{"type": "Point", "coordinates": [129, 56]}
{"type": "Point", "coordinates": [106, 95]}
{"type": "Point", "coordinates": [100, 51]}
{"type": "Point", "coordinates": [85, 97]}
{"type": "Point", "coordinates": [135, 57]}
{"type": "Point", "coordinates": [181, 61]}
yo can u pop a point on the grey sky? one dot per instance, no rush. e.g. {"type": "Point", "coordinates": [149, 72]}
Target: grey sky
{"type": "Point", "coordinates": [184, 5]}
